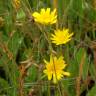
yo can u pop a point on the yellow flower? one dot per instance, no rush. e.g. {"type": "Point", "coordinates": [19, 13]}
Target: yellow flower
{"type": "Point", "coordinates": [54, 68]}
{"type": "Point", "coordinates": [61, 36]}
{"type": "Point", "coordinates": [45, 16]}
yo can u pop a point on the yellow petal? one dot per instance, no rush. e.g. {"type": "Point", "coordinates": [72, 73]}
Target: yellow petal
{"type": "Point", "coordinates": [50, 76]}
{"type": "Point", "coordinates": [35, 14]}
{"type": "Point", "coordinates": [66, 73]}
{"type": "Point", "coordinates": [42, 11]}
{"type": "Point", "coordinates": [54, 12]}
{"type": "Point", "coordinates": [46, 62]}
{"type": "Point", "coordinates": [59, 76]}
{"type": "Point", "coordinates": [47, 11]}
{"type": "Point", "coordinates": [54, 78]}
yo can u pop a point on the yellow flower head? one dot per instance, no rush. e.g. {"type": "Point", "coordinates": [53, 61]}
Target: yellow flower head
{"type": "Point", "coordinates": [54, 68]}
{"type": "Point", "coordinates": [17, 4]}
{"type": "Point", "coordinates": [61, 36]}
{"type": "Point", "coordinates": [45, 16]}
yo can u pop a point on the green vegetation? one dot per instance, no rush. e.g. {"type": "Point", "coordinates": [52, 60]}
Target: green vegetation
{"type": "Point", "coordinates": [24, 46]}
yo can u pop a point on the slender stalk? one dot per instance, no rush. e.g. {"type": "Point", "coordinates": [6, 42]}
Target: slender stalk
{"type": "Point", "coordinates": [21, 80]}
{"type": "Point", "coordinates": [49, 89]}
{"type": "Point", "coordinates": [55, 5]}
{"type": "Point", "coordinates": [80, 74]}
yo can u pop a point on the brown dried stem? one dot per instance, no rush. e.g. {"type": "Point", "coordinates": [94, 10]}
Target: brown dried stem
{"type": "Point", "coordinates": [80, 74]}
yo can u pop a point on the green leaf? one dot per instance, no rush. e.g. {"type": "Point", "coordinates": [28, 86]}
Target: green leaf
{"type": "Point", "coordinates": [15, 42]}
{"type": "Point", "coordinates": [92, 92]}
{"type": "Point", "coordinates": [32, 74]}
{"type": "Point", "coordinates": [3, 85]}
{"type": "Point", "coordinates": [20, 14]}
